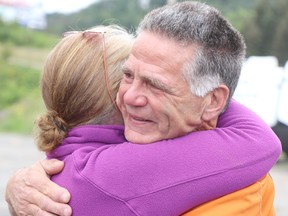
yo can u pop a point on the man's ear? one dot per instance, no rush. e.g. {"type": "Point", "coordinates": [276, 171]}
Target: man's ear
{"type": "Point", "coordinates": [216, 102]}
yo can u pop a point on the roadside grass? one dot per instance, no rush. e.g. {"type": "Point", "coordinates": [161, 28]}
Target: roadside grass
{"type": "Point", "coordinates": [20, 100]}
{"type": "Point", "coordinates": [20, 117]}
{"type": "Point", "coordinates": [24, 56]}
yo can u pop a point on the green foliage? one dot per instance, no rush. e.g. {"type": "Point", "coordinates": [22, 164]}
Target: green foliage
{"type": "Point", "coordinates": [265, 31]}
{"type": "Point", "coordinates": [20, 100]}
{"type": "Point", "coordinates": [280, 45]}
{"type": "Point", "coordinates": [16, 35]}
{"type": "Point", "coordinates": [237, 12]}
{"type": "Point", "coordinates": [5, 52]}
{"type": "Point", "coordinates": [20, 117]}
{"type": "Point", "coordinates": [22, 51]}
{"type": "Point", "coordinates": [227, 6]}
{"type": "Point", "coordinates": [101, 13]}
{"type": "Point", "coordinates": [16, 83]}
{"type": "Point", "coordinates": [129, 15]}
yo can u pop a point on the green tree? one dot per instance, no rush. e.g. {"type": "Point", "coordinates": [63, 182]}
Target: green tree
{"type": "Point", "coordinates": [130, 14]}
{"type": "Point", "coordinates": [264, 32]}
{"type": "Point", "coordinates": [101, 13]}
{"type": "Point", "coordinates": [156, 3]}
{"type": "Point", "coordinates": [280, 44]}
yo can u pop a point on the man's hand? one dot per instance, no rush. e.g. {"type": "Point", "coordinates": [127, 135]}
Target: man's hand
{"type": "Point", "coordinates": [31, 192]}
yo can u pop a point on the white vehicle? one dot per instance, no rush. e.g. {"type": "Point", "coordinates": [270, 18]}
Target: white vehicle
{"type": "Point", "coordinates": [263, 87]}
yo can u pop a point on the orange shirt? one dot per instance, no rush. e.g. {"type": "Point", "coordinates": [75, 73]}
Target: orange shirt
{"type": "Point", "coordinates": [255, 200]}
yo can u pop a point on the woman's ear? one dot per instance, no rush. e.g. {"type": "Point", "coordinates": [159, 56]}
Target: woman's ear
{"type": "Point", "coordinates": [216, 102]}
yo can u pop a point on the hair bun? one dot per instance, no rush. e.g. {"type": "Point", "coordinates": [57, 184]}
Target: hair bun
{"type": "Point", "coordinates": [57, 121]}
{"type": "Point", "coordinates": [50, 132]}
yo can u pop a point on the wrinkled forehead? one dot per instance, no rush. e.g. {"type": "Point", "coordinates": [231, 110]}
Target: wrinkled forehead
{"type": "Point", "coordinates": [161, 50]}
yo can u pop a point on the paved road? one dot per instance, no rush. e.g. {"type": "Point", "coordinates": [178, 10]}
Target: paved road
{"type": "Point", "coordinates": [18, 151]}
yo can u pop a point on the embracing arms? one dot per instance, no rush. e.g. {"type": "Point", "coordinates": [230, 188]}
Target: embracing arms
{"type": "Point", "coordinates": [239, 152]}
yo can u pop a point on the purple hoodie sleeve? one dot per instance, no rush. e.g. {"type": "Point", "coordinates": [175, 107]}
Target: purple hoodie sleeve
{"type": "Point", "coordinates": [168, 177]}
{"type": "Point", "coordinates": [172, 176]}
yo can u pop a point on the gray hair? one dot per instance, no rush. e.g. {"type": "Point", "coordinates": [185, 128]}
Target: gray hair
{"type": "Point", "coordinates": [220, 49]}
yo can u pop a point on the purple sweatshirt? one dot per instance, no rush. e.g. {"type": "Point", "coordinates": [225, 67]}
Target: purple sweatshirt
{"type": "Point", "coordinates": [106, 175]}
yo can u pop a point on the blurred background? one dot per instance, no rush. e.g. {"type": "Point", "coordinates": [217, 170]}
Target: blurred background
{"type": "Point", "coordinates": [30, 28]}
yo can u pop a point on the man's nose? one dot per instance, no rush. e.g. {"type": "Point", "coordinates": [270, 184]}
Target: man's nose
{"type": "Point", "coordinates": [135, 95]}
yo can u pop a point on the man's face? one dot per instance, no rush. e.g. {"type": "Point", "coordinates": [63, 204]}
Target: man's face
{"type": "Point", "coordinates": [154, 98]}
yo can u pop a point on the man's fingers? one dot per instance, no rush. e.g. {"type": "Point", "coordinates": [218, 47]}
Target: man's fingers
{"type": "Point", "coordinates": [45, 206]}
{"type": "Point", "coordinates": [31, 192]}
{"type": "Point", "coordinates": [53, 191]}
{"type": "Point", "coordinates": [40, 204]}
{"type": "Point", "coordinates": [24, 199]}
{"type": "Point", "coordinates": [36, 211]}
{"type": "Point", "coordinates": [39, 181]}
{"type": "Point", "coordinates": [52, 166]}
{"type": "Point", "coordinates": [57, 209]}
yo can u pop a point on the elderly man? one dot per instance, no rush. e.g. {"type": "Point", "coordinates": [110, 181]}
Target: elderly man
{"type": "Point", "coordinates": [180, 76]}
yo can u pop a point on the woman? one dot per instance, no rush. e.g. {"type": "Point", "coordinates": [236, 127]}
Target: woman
{"type": "Point", "coordinates": [105, 174]}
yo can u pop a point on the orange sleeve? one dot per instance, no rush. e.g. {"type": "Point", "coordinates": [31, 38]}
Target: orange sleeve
{"type": "Point", "coordinates": [257, 199]}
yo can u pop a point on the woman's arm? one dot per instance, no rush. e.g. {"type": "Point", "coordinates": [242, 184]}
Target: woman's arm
{"type": "Point", "coordinates": [193, 169]}
{"type": "Point", "coordinates": [190, 170]}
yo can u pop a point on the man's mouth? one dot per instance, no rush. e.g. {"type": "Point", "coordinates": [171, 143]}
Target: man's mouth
{"type": "Point", "coordinates": [138, 119]}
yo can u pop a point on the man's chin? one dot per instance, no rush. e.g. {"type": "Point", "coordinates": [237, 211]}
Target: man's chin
{"type": "Point", "coordinates": [138, 138]}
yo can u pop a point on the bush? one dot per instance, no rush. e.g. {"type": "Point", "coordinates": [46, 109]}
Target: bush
{"type": "Point", "coordinates": [20, 100]}
{"type": "Point", "coordinates": [17, 82]}
{"type": "Point", "coordinates": [20, 117]}
{"type": "Point", "coordinates": [6, 52]}
{"type": "Point", "coordinates": [19, 36]}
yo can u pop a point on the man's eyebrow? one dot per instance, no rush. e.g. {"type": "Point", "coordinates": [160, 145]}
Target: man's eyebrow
{"type": "Point", "coordinates": [151, 80]}
{"type": "Point", "coordinates": [157, 83]}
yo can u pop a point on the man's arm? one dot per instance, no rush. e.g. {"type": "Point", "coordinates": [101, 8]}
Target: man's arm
{"type": "Point", "coordinates": [30, 191]}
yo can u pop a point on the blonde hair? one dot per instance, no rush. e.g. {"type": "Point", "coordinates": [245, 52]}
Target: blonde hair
{"type": "Point", "coordinates": [75, 88]}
